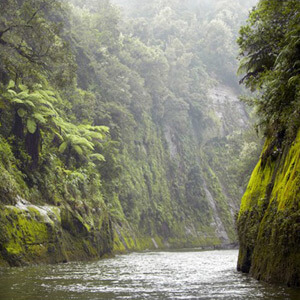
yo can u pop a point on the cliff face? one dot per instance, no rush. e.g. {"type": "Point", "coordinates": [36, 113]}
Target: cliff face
{"type": "Point", "coordinates": [167, 174]}
{"type": "Point", "coordinates": [33, 233]}
{"type": "Point", "coordinates": [175, 191]}
{"type": "Point", "coordinates": [178, 187]}
{"type": "Point", "coordinates": [269, 218]}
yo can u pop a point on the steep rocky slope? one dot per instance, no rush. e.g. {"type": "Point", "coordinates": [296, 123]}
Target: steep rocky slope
{"type": "Point", "coordinates": [140, 143]}
{"type": "Point", "coordinates": [184, 193]}
{"type": "Point", "coordinates": [172, 194]}
{"type": "Point", "coordinates": [269, 219]}
{"type": "Point", "coordinates": [49, 234]}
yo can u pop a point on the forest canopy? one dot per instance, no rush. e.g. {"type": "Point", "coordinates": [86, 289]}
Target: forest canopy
{"type": "Point", "coordinates": [270, 59]}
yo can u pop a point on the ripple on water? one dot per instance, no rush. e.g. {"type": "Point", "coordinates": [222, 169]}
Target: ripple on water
{"type": "Point", "coordinates": [153, 275]}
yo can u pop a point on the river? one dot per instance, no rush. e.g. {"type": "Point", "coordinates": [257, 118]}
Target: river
{"type": "Point", "coordinates": [148, 275]}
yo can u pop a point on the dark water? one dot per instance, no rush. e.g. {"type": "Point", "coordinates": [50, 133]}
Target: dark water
{"type": "Point", "coordinates": [151, 275]}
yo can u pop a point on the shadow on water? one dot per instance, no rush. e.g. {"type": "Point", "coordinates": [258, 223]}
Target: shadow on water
{"type": "Point", "coordinates": [184, 274]}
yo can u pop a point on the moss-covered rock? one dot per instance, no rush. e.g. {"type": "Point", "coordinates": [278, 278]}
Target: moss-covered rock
{"type": "Point", "coordinates": [48, 234]}
{"type": "Point", "coordinates": [269, 218]}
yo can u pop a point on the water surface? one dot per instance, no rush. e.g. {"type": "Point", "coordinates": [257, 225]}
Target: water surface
{"type": "Point", "coordinates": [151, 275]}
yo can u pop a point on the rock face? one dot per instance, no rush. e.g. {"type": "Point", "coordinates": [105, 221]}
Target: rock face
{"type": "Point", "coordinates": [269, 218]}
{"type": "Point", "coordinates": [35, 234]}
{"type": "Point", "coordinates": [174, 192]}
{"type": "Point", "coordinates": [179, 187]}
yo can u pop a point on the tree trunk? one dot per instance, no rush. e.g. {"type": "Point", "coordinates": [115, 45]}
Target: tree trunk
{"type": "Point", "coordinates": [33, 143]}
{"type": "Point", "coordinates": [18, 129]}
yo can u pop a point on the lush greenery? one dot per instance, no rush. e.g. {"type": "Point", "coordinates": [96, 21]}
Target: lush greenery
{"type": "Point", "coordinates": [270, 59]}
{"type": "Point", "coordinates": [268, 222]}
{"type": "Point", "coordinates": [123, 118]}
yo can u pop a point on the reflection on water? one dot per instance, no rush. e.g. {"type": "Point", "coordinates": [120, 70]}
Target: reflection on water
{"type": "Point", "coordinates": [150, 275]}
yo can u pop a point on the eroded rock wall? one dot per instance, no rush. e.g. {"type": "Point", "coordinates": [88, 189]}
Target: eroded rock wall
{"type": "Point", "coordinates": [49, 234]}
{"type": "Point", "coordinates": [269, 219]}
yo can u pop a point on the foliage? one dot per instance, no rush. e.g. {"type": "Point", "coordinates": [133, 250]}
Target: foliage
{"type": "Point", "coordinates": [50, 152]}
{"type": "Point", "coordinates": [31, 43]}
{"type": "Point", "coordinates": [269, 216]}
{"type": "Point", "coordinates": [269, 58]}
{"type": "Point", "coordinates": [103, 110]}
{"type": "Point", "coordinates": [12, 180]}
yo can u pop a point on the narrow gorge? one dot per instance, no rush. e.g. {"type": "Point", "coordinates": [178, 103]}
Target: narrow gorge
{"type": "Point", "coordinates": [129, 125]}
{"type": "Point", "coordinates": [121, 129]}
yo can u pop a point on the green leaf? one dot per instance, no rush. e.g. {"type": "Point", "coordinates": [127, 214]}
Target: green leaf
{"type": "Point", "coordinates": [47, 112]}
{"type": "Point", "coordinates": [78, 175]}
{"type": "Point", "coordinates": [97, 156]}
{"type": "Point", "coordinates": [293, 80]}
{"type": "Point", "coordinates": [29, 103]}
{"type": "Point", "coordinates": [21, 112]}
{"type": "Point", "coordinates": [35, 97]}
{"type": "Point", "coordinates": [11, 84]}
{"type": "Point", "coordinates": [39, 117]}
{"type": "Point", "coordinates": [96, 135]}
{"type": "Point", "coordinates": [23, 95]}
{"type": "Point", "coordinates": [23, 88]}
{"type": "Point", "coordinates": [58, 135]}
{"type": "Point", "coordinates": [78, 149]}
{"type": "Point", "coordinates": [83, 142]}
{"type": "Point", "coordinates": [46, 103]}
{"type": "Point", "coordinates": [11, 93]}
{"type": "Point", "coordinates": [63, 147]}
{"type": "Point", "coordinates": [50, 93]}
{"type": "Point", "coordinates": [16, 100]}
{"type": "Point", "coordinates": [31, 126]}
{"type": "Point", "coordinates": [38, 86]}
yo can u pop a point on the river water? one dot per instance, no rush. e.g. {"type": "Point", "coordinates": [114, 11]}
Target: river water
{"type": "Point", "coordinates": [149, 275]}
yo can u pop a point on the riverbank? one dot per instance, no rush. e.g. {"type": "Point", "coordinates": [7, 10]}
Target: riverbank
{"type": "Point", "coordinates": [42, 234]}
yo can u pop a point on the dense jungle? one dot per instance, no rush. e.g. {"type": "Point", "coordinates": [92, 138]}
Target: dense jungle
{"type": "Point", "coordinates": [130, 125]}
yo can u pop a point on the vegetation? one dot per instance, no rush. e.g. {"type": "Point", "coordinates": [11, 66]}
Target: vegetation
{"type": "Point", "coordinates": [112, 119]}
{"type": "Point", "coordinates": [268, 220]}
{"type": "Point", "coordinates": [269, 52]}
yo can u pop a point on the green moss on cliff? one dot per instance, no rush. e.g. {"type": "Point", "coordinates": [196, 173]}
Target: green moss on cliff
{"type": "Point", "coordinates": [269, 219]}
{"type": "Point", "coordinates": [145, 184]}
{"type": "Point", "coordinates": [27, 234]}
{"type": "Point", "coordinates": [286, 189]}
{"type": "Point", "coordinates": [32, 234]}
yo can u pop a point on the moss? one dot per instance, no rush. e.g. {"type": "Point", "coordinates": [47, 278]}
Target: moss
{"type": "Point", "coordinates": [257, 188]}
{"type": "Point", "coordinates": [11, 179]}
{"type": "Point", "coordinates": [49, 234]}
{"type": "Point", "coordinates": [269, 219]}
{"type": "Point", "coordinates": [286, 189]}
{"type": "Point", "coordinates": [24, 234]}
{"type": "Point", "coordinates": [119, 246]}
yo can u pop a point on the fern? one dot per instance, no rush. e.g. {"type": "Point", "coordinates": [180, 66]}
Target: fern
{"type": "Point", "coordinates": [63, 147]}
{"type": "Point", "coordinates": [21, 112]}
{"type": "Point", "coordinates": [31, 126]}
{"type": "Point", "coordinates": [97, 156]}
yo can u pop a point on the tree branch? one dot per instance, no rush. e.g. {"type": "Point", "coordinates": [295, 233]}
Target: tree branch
{"type": "Point", "coordinates": [12, 27]}
{"type": "Point", "coordinates": [35, 13]}
{"type": "Point", "coordinates": [4, 31]}
{"type": "Point", "coordinates": [32, 58]}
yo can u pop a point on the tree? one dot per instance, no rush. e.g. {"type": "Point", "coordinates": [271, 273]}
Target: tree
{"type": "Point", "coordinates": [33, 111]}
{"type": "Point", "coordinates": [34, 114]}
{"type": "Point", "coordinates": [270, 59]}
{"type": "Point", "coordinates": [30, 42]}
{"type": "Point", "coordinates": [80, 141]}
